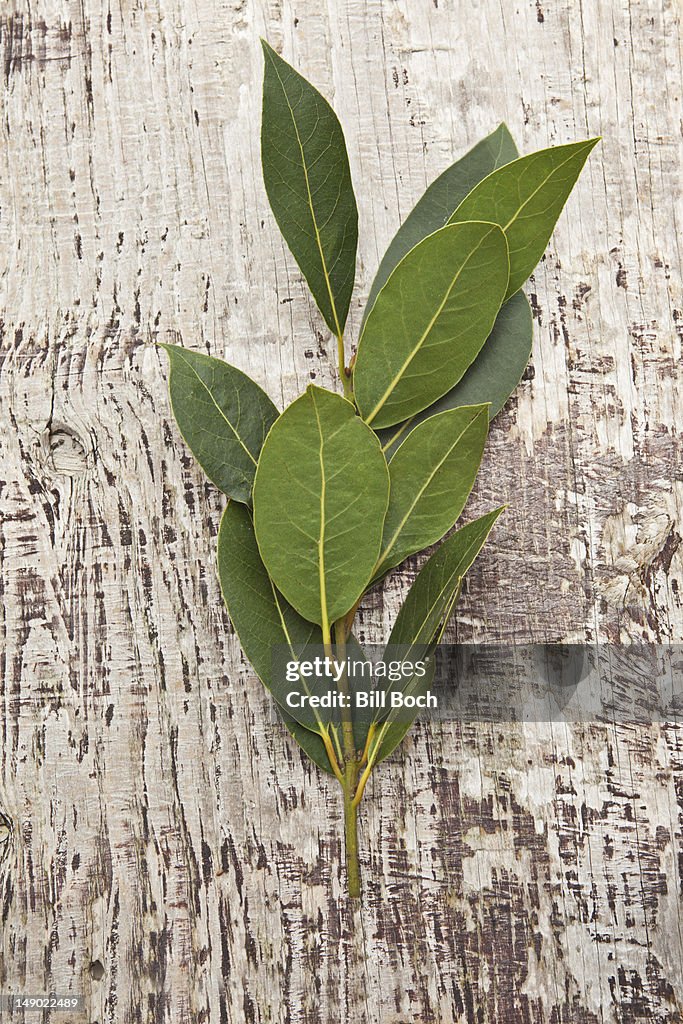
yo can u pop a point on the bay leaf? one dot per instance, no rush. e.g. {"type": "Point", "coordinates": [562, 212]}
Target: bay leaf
{"type": "Point", "coordinates": [431, 476]}
{"type": "Point", "coordinates": [424, 616]}
{"type": "Point", "coordinates": [270, 630]}
{"type": "Point", "coordinates": [308, 183]}
{"type": "Point", "coordinates": [223, 416]}
{"type": "Point", "coordinates": [422, 612]}
{"type": "Point", "coordinates": [525, 198]}
{"type": "Point", "coordinates": [320, 498]}
{"type": "Point", "coordinates": [263, 620]}
{"type": "Point", "coordinates": [429, 321]}
{"type": "Point", "coordinates": [491, 378]}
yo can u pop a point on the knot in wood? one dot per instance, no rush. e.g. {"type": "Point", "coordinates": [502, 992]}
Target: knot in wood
{"type": "Point", "coordinates": [97, 970]}
{"type": "Point", "coordinates": [68, 454]}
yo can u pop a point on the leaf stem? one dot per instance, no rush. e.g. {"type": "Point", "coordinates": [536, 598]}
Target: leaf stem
{"type": "Point", "coordinates": [343, 371]}
{"type": "Point", "coordinates": [366, 751]}
{"type": "Point", "coordinates": [346, 712]}
{"type": "Point", "coordinates": [362, 784]}
{"type": "Point", "coordinates": [350, 769]}
{"type": "Point", "coordinates": [329, 750]}
{"type": "Point", "coordinates": [327, 640]}
{"type": "Point", "coordinates": [351, 833]}
{"type": "Point", "coordinates": [340, 752]}
{"type": "Point", "coordinates": [350, 616]}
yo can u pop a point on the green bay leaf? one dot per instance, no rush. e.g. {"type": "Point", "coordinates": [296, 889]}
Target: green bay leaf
{"type": "Point", "coordinates": [525, 198]}
{"type": "Point", "coordinates": [429, 321]}
{"type": "Point", "coordinates": [435, 208]}
{"type": "Point", "coordinates": [424, 616]}
{"type": "Point", "coordinates": [264, 621]}
{"type": "Point", "coordinates": [320, 498]}
{"type": "Point", "coordinates": [430, 597]}
{"type": "Point", "coordinates": [431, 476]}
{"type": "Point", "coordinates": [223, 415]}
{"type": "Point", "coordinates": [308, 182]}
{"type": "Point", "coordinates": [491, 378]}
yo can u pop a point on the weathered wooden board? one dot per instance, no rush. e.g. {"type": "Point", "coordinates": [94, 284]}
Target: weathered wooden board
{"type": "Point", "coordinates": [162, 849]}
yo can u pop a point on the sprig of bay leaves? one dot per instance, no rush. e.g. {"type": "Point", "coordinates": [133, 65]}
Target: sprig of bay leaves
{"type": "Point", "coordinates": [330, 495]}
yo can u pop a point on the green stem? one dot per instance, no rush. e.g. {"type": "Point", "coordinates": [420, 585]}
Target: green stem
{"type": "Point", "coordinates": [351, 763]}
{"type": "Point", "coordinates": [351, 832]}
{"type": "Point", "coordinates": [346, 711]}
{"type": "Point", "coordinates": [343, 372]}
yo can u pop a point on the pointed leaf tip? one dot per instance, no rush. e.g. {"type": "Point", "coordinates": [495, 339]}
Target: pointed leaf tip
{"type": "Point", "coordinates": [525, 198]}
{"type": "Point", "coordinates": [308, 182]}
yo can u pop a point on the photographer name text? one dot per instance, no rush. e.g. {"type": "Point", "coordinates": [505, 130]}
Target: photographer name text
{"type": "Point", "coordinates": [327, 669]}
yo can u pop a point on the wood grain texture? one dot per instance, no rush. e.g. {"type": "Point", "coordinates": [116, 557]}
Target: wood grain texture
{"type": "Point", "coordinates": [163, 849]}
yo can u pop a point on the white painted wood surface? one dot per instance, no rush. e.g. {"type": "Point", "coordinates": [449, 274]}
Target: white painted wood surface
{"type": "Point", "coordinates": [154, 824]}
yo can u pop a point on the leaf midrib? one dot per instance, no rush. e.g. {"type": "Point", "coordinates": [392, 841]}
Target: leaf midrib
{"type": "Point", "coordinates": [547, 178]}
{"type": "Point", "coordinates": [551, 174]}
{"type": "Point", "coordinates": [323, 261]}
{"type": "Point", "coordinates": [429, 327]}
{"type": "Point", "coordinates": [325, 624]}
